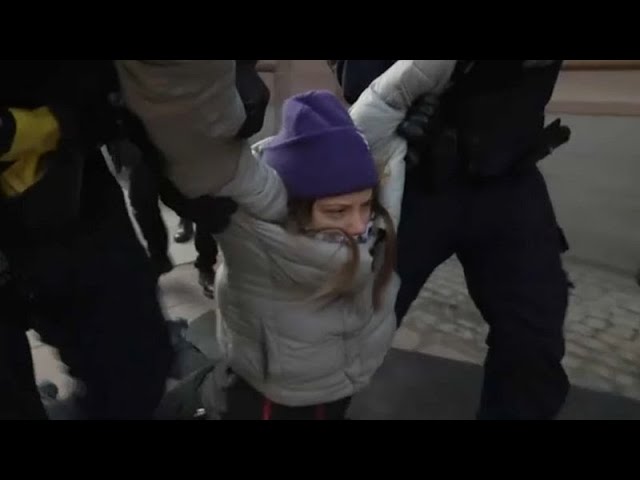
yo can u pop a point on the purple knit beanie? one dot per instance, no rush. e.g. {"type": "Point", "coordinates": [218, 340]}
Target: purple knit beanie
{"type": "Point", "coordinates": [318, 152]}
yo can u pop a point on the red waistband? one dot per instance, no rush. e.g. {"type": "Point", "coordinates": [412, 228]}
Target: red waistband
{"type": "Point", "coordinates": [267, 410]}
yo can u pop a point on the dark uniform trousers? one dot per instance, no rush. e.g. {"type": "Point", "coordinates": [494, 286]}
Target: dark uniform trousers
{"type": "Point", "coordinates": [505, 234]}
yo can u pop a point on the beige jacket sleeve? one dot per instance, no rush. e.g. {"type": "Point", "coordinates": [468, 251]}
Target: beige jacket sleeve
{"type": "Point", "coordinates": [192, 112]}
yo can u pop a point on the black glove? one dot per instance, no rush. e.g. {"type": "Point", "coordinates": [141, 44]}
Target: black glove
{"type": "Point", "coordinates": [210, 213]}
{"type": "Point", "coordinates": [419, 127]}
{"type": "Point", "coordinates": [255, 97]}
{"type": "Point", "coordinates": [552, 136]}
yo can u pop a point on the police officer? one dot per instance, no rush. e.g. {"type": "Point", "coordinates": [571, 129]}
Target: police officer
{"type": "Point", "coordinates": [473, 190]}
{"type": "Point", "coordinates": [77, 274]}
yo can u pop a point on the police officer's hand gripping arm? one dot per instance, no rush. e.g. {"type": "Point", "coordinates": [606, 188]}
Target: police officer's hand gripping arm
{"type": "Point", "coordinates": [403, 90]}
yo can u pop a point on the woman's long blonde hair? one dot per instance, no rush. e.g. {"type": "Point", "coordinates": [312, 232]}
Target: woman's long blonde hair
{"type": "Point", "coordinates": [342, 284]}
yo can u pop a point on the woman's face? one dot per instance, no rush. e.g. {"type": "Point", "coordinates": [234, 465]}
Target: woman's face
{"type": "Point", "coordinates": [350, 213]}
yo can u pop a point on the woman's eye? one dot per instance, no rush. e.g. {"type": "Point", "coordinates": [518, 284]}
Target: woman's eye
{"type": "Point", "coordinates": [334, 213]}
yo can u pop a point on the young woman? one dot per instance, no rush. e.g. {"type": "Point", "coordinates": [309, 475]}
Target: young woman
{"type": "Point", "coordinates": [306, 289]}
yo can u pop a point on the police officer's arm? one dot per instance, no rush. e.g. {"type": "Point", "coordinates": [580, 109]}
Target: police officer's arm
{"type": "Point", "coordinates": [385, 103]}
{"type": "Point", "coordinates": [383, 106]}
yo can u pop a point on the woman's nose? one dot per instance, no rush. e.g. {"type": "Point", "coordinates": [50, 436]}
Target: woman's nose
{"type": "Point", "coordinates": [357, 225]}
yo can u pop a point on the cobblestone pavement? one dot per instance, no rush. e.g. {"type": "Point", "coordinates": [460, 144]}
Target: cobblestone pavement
{"type": "Point", "coordinates": [602, 326]}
